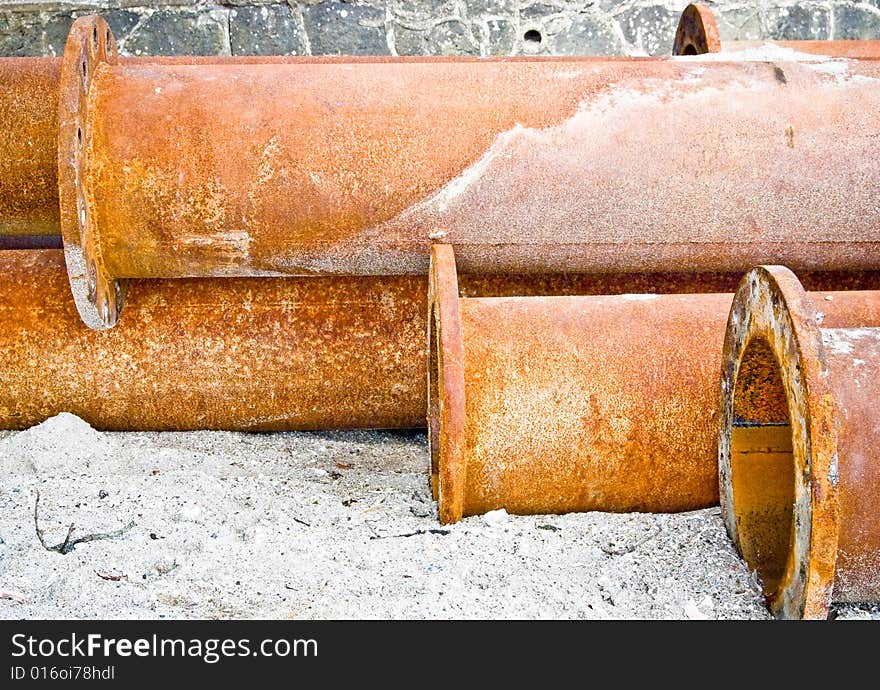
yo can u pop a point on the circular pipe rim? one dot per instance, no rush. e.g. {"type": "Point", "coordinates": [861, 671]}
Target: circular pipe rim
{"type": "Point", "coordinates": [771, 305]}
{"type": "Point", "coordinates": [697, 30]}
{"type": "Point", "coordinates": [98, 296]}
{"type": "Point", "coordinates": [446, 414]}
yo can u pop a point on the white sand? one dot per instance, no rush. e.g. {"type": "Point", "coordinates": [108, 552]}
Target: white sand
{"type": "Point", "coordinates": [219, 533]}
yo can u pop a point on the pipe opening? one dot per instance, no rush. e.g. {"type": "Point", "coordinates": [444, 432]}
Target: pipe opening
{"type": "Point", "coordinates": [533, 37]}
{"type": "Point", "coordinates": [434, 399]}
{"type": "Point", "coordinates": [762, 466]}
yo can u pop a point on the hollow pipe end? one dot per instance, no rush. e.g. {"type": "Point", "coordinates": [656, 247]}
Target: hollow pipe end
{"type": "Point", "coordinates": [446, 401]}
{"type": "Point", "coordinates": [777, 450]}
{"type": "Point", "coordinates": [697, 32]}
{"type": "Point", "coordinates": [98, 295]}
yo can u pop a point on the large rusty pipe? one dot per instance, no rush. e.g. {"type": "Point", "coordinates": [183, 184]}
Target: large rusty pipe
{"type": "Point", "coordinates": [697, 34]}
{"type": "Point", "coordinates": [799, 449]}
{"type": "Point", "coordinates": [558, 404]}
{"type": "Point", "coordinates": [29, 90]}
{"type": "Point", "coordinates": [171, 170]}
{"type": "Point", "coordinates": [246, 354]}
{"type": "Point", "coordinates": [295, 353]}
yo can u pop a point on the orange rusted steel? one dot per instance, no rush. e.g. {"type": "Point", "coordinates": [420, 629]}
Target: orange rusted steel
{"type": "Point", "coordinates": [799, 449]}
{"type": "Point", "coordinates": [250, 354]}
{"type": "Point", "coordinates": [697, 34]}
{"type": "Point", "coordinates": [29, 89]}
{"type": "Point", "coordinates": [526, 165]}
{"type": "Point", "coordinates": [28, 149]}
{"type": "Point", "coordinates": [558, 404]}
{"type": "Point", "coordinates": [298, 353]}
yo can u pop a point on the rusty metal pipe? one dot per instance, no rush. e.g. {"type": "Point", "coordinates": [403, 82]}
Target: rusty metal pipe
{"type": "Point", "coordinates": [297, 353]}
{"type": "Point", "coordinates": [28, 146]}
{"type": "Point", "coordinates": [558, 404]}
{"type": "Point", "coordinates": [799, 449]}
{"type": "Point", "coordinates": [245, 354]}
{"type": "Point", "coordinates": [351, 168]}
{"type": "Point", "coordinates": [697, 34]}
{"type": "Point", "coordinates": [29, 90]}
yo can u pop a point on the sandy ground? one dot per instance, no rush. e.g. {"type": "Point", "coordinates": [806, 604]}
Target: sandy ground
{"type": "Point", "coordinates": [325, 525]}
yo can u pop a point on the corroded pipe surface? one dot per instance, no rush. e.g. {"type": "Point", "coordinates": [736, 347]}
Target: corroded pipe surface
{"type": "Point", "coordinates": [799, 449]}
{"type": "Point", "coordinates": [299, 353]}
{"type": "Point", "coordinates": [28, 148]}
{"type": "Point", "coordinates": [29, 89]}
{"type": "Point", "coordinates": [310, 353]}
{"type": "Point", "coordinates": [336, 167]}
{"type": "Point", "coordinates": [557, 404]}
{"type": "Point", "coordinates": [283, 354]}
{"type": "Point", "coordinates": [697, 34]}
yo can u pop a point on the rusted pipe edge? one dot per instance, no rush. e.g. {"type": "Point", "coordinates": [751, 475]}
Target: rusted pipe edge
{"type": "Point", "coordinates": [697, 32]}
{"type": "Point", "coordinates": [602, 472]}
{"type": "Point", "coordinates": [98, 297]}
{"type": "Point", "coordinates": [386, 227]}
{"type": "Point", "coordinates": [772, 306]}
{"type": "Point", "coordinates": [446, 410]}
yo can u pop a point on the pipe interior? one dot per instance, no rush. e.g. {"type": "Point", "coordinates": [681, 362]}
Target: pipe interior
{"type": "Point", "coordinates": [762, 466]}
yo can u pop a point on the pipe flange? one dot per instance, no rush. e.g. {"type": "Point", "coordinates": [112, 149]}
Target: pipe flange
{"type": "Point", "coordinates": [772, 314]}
{"type": "Point", "coordinates": [98, 295]}
{"type": "Point", "coordinates": [446, 401]}
{"type": "Point", "coordinates": [697, 32]}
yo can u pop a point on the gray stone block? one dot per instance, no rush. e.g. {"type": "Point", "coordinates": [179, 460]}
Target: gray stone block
{"type": "Point", "coordinates": [339, 28]}
{"type": "Point", "coordinates": [421, 11]}
{"type": "Point", "coordinates": [650, 30]}
{"type": "Point", "coordinates": [25, 34]}
{"type": "Point", "coordinates": [506, 8]}
{"type": "Point", "coordinates": [410, 41]}
{"type": "Point", "coordinates": [538, 11]}
{"type": "Point", "coordinates": [452, 38]}
{"type": "Point", "coordinates": [798, 23]}
{"type": "Point", "coordinates": [856, 23]}
{"type": "Point", "coordinates": [266, 30]}
{"type": "Point", "coordinates": [587, 34]}
{"type": "Point", "coordinates": [739, 23]}
{"type": "Point", "coordinates": [180, 32]}
{"type": "Point", "coordinates": [501, 38]}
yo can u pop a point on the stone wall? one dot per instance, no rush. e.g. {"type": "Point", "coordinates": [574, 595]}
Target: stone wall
{"type": "Point", "coordinates": [417, 27]}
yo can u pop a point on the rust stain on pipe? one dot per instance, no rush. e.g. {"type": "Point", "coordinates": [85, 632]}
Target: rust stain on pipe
{"type": "Point", "coordinates": [286, 169]}
{"type": "Point", "coordinates": [558, 404]}
{"type": "Point", "coordinates": [697, 34]}
{"type": "Point", "coordinates": [296, 353]}
{"type": "Point", "coordinates": [28, 153]}
{"type": "Point", "coordinates": [29, 91]}
{"type": "Point", "coordinates": [245, 354]}
{"type": "Point", "coordinates": [799, 448]}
